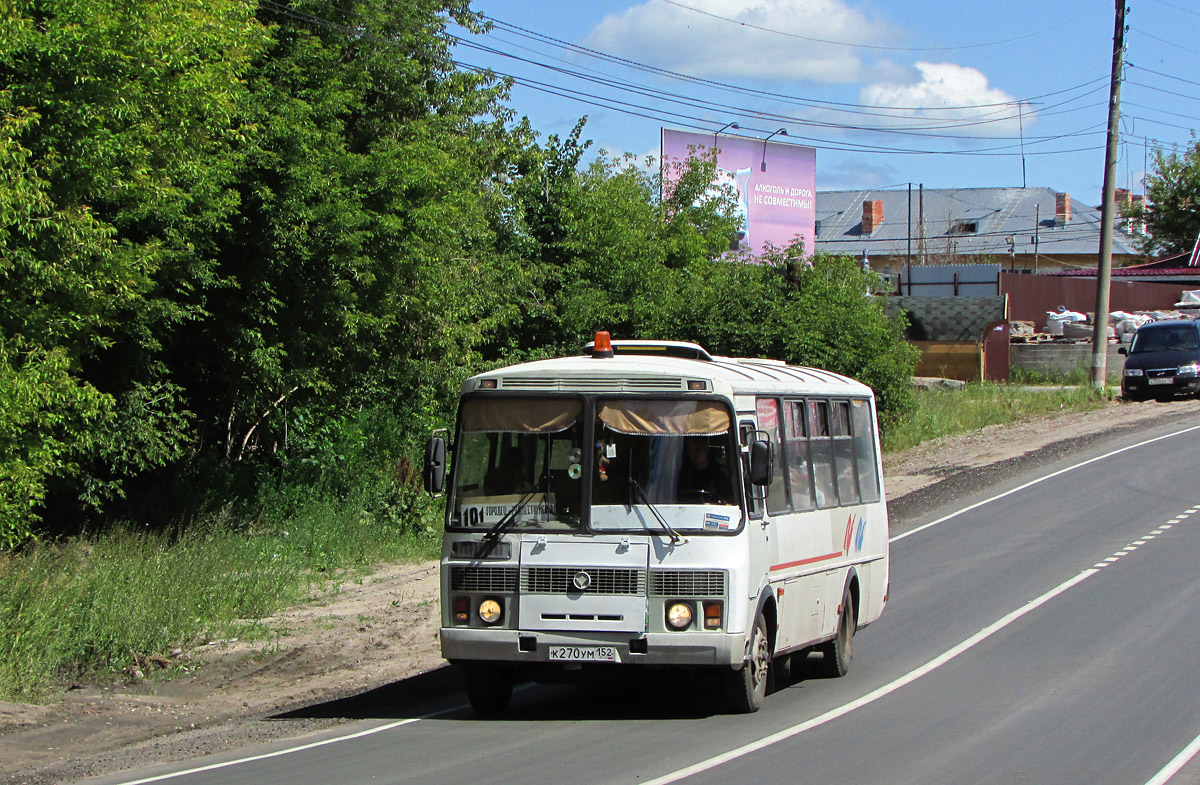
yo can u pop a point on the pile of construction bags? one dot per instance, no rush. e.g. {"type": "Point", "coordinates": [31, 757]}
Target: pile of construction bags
{"type": "Point", "coordinates": [1126, 324]}
{"type": "Point", "coordinates": [1057, 321]}
{"type": "Point", "coordinates": [1121, 324]}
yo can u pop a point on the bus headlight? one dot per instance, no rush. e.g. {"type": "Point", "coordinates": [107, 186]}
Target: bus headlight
{"type": "Point", "coordinates": [490, 611]}
{"type": "Point", "coordinates": [679, 615]}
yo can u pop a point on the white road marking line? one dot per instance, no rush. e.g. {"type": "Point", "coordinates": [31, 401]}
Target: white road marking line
{"type": "Point", "coordinates": [1034, 482]}
{"type": "Point", "coordinates": [1177, 763]}
{"type": "Point", "coordinates": [290, 750]}
{"type": "Point", "coordinates": [907, 679]}
{"type": "Point", "coordinates": [875, 694]}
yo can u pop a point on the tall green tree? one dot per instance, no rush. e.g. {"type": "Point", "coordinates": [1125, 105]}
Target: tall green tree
{"type": "Point", "coordinates": [228, 226]}
{"type": "Point", "coordinates": [1171, 212]}
{"type": "Point", "coordinates": [601, 239]}
{"type": "Point", "coordinates": [356, 271]}
{"type": "Point", "coordinates": [811, 311]}
{"type": "Point", "coordinates": [118, 116]}
{"type": "Point", "coordinates": [47, 413]}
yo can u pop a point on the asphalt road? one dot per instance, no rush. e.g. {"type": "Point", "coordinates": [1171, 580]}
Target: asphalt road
{"type": "Point", "coordinates": [1039, 631]}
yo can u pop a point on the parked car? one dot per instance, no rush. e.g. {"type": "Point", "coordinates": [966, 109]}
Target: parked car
{"type": "Point", "coordinates": [1163, 361]}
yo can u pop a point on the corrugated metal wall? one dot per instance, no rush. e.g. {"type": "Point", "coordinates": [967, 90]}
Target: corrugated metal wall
{"type": "Point", "coordinates": [950, 280]}
{"type": "Point", "coordinates": [1031, 296]}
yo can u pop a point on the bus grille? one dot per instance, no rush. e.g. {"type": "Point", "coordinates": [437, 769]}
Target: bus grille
{"type": "Point", "coordinates": [687, 583]}
{"type": "Point", "coordinates": [601, 580]}
{"type": "Point", "coordinates": [483, 579]}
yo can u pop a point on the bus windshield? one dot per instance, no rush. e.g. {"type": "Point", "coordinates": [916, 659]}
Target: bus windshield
{"type": "Point", "coordinates": [518, 460]}
{"type": "Point", "coordinates": [664, 453]}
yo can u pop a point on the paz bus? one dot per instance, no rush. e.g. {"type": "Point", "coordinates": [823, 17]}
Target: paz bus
{"type": "Point", "coordinates": [648, 504]}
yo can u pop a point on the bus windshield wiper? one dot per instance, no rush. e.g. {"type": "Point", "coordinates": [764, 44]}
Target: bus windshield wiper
{"type": "Point", "coordinates": [492, 536]}
{"type": "Point", "coordinates": [676, 537]}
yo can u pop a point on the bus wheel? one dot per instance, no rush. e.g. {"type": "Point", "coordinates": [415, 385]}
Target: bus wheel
{"type": "Point", "coordinates": [746, 688]}
{"type": "Point", "coordinates": [837, 652]}
{"type": "Point", "coordinates": [489, 688]}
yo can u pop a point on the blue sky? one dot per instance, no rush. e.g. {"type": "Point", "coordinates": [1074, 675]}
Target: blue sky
{"type": "Point", "coordinates": [941, 92]}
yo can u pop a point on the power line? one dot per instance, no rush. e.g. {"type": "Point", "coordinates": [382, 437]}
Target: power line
{"type": "Point", "coordinates": [1168, 76]}
{"type": "Point", "coordinates": [1178, 8]}
{"type": "Point", "coordinates": [701, 123]}
{"type": "Point", "coordinates": [767, 94]}
{"type": "Point", "coordinates": [926, 130]}
{"type": "Point", "coordinates": [774, 31]}
{"type": "Point", "coordinates": [1161, 90]}
{"type": "Point", "coordinates": [1162, 40]}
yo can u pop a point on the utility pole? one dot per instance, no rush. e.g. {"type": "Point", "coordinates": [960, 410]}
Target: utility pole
{"type": "Point", "coordinates": [908, 264]}
{"type": "Point", "coordinates": [1104, 269]}
{"type": "Point", "coordinates": [1021, 125]}
{"type": "Point", "coordinates": [921, 222]}
{"type": "Point", "coordinates": [1037, 225]}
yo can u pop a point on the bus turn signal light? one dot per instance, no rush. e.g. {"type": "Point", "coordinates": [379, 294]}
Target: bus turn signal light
{"type": "Point", "coordinates": [462, 610]}
{"type": "Point", "coordinates": [712, 615]}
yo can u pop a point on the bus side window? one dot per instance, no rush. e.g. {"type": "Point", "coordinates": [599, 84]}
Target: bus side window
{"type": "Point", "coordinates": [863, 430]}
{"type": "Point", "coordinates": [821, 451]}
{"type": "Point", "coordinates": [799, 470]}
{"type": "Point", "coordinates": [843, 453]}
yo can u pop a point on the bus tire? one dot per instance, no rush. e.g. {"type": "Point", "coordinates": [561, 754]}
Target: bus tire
{"type": "Point", "coordinates": [747, 688]}
{"type": "Point", "coordinates": [489, 688]}
{"type": "Point", "coordinates": [836, 653]}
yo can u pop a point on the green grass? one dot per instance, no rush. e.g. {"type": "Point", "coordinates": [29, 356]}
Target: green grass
{"type": "Point", "coordinates": [86, 608]}
{"type": "Point", "coordinates": [947, 412]}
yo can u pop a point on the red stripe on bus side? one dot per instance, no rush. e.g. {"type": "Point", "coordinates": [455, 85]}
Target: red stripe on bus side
{"type": "Point", "coordinates": [802, 562]}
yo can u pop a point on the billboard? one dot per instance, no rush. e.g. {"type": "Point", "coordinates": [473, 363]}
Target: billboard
{"type": "Point", "coordinates": [776, 184]}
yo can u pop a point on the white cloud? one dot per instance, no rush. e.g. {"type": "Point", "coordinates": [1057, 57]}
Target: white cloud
{"type": "Point", "coordinates": [690, 42]}
{"type": "Point", "coordinates": [946, 94]}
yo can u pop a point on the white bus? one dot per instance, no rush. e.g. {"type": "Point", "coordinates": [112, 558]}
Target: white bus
{"type": "Point", "coordinates": [648, 504]}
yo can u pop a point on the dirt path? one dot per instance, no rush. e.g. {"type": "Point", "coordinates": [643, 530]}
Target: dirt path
{"type": "Point", "coordinates": [383, 629]}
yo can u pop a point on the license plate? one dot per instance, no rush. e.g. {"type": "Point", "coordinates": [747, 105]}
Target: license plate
{"type": "Point", "coordinates": [1163, 380]}
{"type": "Point", "coordinates": [584, 654]}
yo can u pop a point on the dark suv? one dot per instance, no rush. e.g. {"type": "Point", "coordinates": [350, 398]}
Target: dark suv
{"type": "Point", "coordinates": [1163, 361]}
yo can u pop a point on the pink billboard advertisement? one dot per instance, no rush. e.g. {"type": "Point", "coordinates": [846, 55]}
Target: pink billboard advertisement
{"type": "Point", "coordinates": [776, 184]}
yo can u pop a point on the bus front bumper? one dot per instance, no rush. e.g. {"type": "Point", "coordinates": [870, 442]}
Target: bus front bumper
{"type": "Point", "coordinates": [692, 648]}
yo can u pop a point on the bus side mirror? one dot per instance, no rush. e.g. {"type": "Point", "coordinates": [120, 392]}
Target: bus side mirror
{"type": "Point", "coordinates": [433, 473]}
{"type": "Point", "coordinates": [762, 463]}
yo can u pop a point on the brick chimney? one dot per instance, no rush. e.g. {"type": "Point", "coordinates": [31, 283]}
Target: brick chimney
{"type": "Point", "coordinates": [1062, 209]}
{"type": "Point", "coordinates": [872, 215]}
{"type": "Point", "coordinates": [1122, 198]}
